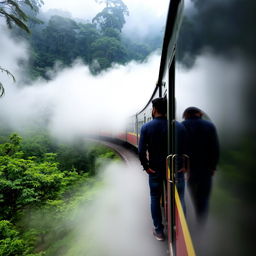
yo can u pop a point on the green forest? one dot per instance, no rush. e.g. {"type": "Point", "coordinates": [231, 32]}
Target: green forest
{"type": "Point", "coordinates": [42, 181]}
{"type": "Point", "coordinates": [99, 43]}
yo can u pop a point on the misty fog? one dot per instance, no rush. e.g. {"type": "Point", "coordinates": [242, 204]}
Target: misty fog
{"type": "Point", "coordinates": [74, 101]}
{"type": "Point", "coordinates": [117, 221]}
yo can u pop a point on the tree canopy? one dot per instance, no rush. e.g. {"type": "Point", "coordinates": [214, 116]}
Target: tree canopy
{"type": "Point", "coordinates": [112, 16]}
{"type": "Point", "coordinates": [99, 43]}
{"type": "Point", "coordinates": [41, 178]}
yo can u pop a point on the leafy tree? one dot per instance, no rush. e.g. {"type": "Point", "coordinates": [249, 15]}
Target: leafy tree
{"type": "Point", "coordinates": [112, 16]}
{"type": "Point", "coordinates": [25, 182]}
{"type": "Point", "coordinates": [37, 145]}
{"type": "Point", "coordinates": [60, 36]}
{"type": "Point", "coordinates": [11, 147]}
{"type": "Point", "coordinates": [38, 194]}
{"type": "Point", "coordinates": [136, 51]}
{"type": "Point", "coordinates": [98, 43]}
{"type": "Point", "coordinates": [11, 243]}
{"type": "Point", "coordinates": [85, 37]}
{"type": "Point", "coordinates": [52, 42]}
{"type": "Point", "coordinates": [73, 157]}
{"type": "Point", "coordinates": [110, 32]}
{"type": "Point", "coordinates": [108, 50]}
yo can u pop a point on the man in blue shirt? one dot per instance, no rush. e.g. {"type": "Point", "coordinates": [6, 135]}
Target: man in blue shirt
{"type": "Point", "coordinates": [153, 140]}
{"type": "Point", "coordinates": [153, 150]}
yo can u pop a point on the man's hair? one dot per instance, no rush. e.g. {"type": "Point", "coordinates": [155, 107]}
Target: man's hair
{"type": "Point", "coordinates": [192, 112]}
{"type": "Point", "coordinates": [160, 104]}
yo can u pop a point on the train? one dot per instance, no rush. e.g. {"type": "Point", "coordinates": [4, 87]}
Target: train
{"type": "Point", "coordinates": [179, 239]}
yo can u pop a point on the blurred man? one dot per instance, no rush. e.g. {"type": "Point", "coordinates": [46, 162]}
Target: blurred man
{"type": "Point", "coordinates": [153, 141]}
{"type": "Point", "coordinates": [203, 150]}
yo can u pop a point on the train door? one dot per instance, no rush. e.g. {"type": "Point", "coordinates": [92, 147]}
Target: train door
{"type": "Point", "coordinates": [179, 240]}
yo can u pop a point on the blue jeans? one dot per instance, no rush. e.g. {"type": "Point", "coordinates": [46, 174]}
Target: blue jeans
{"type": "Point", "coordinates": [156, 189]}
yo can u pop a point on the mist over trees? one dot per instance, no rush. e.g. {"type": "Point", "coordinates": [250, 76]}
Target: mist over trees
{"type": "Point", "coordinates": [98, 43]}
{"type": "Point", "coordinates": [59, 40]}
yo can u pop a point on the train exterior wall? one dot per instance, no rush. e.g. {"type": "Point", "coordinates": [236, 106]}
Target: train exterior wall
{"type": "Point", "coordinates": [183, 242]}
{"type": "Point", "coordinates": [132, 139]}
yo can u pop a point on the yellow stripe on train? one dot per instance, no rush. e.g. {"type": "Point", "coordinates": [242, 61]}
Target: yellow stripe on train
{"type": "Point", "coordinates": [187, 237]}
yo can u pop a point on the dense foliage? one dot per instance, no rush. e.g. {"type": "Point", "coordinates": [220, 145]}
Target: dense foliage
{"type": "Point", "coordinates": [61, 40]}
{"type": "Point", "coordinates": [38, 179]}
{"type": "Point", "coordinates": [98, 43]}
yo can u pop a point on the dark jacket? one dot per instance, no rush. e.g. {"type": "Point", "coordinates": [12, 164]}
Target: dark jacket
{"type": "Point", "coordinates": [203, 145]}
{"type": "Point", "coordinates": [154, 139]}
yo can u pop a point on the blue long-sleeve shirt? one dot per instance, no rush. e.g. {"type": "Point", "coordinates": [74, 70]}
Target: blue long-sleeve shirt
{"type": "Point", "coordinates": [153, 139]}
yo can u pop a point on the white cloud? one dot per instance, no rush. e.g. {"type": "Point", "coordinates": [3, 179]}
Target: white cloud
{"type": "Point", "coordinates": [76, 102]}
{"type": "Point", "coordinates": [89, 8]}
{"type": "Point", "coordinates": [145, 15]}
{"type": "Point", "coordinates": [11, 55]}
{"type": "Point", "coordinates": [86, 9]}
